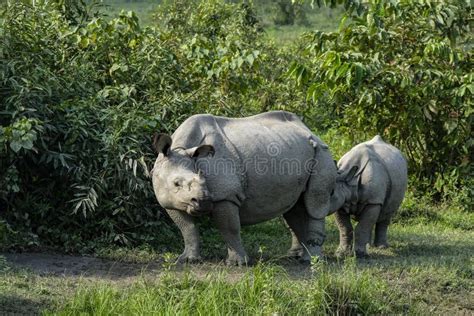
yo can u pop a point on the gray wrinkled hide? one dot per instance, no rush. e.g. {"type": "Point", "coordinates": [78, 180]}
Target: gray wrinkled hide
{"type": "Point", "coordinates": [371, 184]}
{"type": "Point", "coordinates": [264, 146]}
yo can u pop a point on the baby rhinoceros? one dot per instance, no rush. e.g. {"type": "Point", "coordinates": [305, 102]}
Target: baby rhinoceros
{"type": "Point", "coordinates": [370, 186]}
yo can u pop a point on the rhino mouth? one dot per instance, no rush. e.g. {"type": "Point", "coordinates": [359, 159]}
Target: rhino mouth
{"type": "Point", "coordinates": [200, 208]}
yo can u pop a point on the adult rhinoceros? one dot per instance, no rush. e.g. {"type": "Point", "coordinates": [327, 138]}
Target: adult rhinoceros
{"type": "Point", "coordinates": [244, 171]}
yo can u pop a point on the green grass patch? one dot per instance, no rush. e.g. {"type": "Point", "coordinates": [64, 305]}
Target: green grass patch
{"type": "Point", "coordinates": [262, 290]}
{"type": "Point", "coordinates": [25, 293]}
{"type": "Point", "coordinates": [144, 9]}
{"type": "Point", "coordinates": [322, 19]}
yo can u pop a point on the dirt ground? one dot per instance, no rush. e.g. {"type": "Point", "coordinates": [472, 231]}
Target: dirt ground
{"type": "Point", "coordinates": [39, 281]}
{"type": "Point", "coordinates": [74, 266]}
{"type": "Point", "coordinates": [427, 264]}
{"type": "Point", "coordinates": [47, 264]}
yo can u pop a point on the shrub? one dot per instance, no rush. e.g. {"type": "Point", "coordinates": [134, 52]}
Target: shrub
{"type": "Point", "coordinates": [401, 69]}
{"type": "Point", "coordinates": [231, 69]}
{"type": "Point", "coordinates": [79, 104]}
{"type": "Point", "coordinates": [82, 94]}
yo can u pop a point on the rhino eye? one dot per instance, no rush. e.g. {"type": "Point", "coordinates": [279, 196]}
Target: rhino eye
{"type": "Point", "coordinates": [177, 183]}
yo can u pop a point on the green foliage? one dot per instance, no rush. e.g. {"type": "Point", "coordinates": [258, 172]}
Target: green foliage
{"type": "Point", "coordinates": [75, 123]}
{"type": "Point", "coordinates": [308, 17]}
{"type": "Point", "coordinates": [83, 94]}
{"type": "Point", "coordinates": [401, 69]}
{"type": "Point", "coordinates": [231, 69]}
{"type": "Point", "coordinates": [222, 47]}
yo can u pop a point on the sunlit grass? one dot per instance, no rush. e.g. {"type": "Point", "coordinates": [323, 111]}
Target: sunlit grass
{"type": "Point", "coordinates": [261, 290]}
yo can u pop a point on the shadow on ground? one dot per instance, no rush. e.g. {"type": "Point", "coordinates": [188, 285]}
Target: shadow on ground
{"type": "Point", "coordinates": [16, 305]}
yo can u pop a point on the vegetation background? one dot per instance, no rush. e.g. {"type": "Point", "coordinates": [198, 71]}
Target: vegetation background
{"type": "Point", "coordinates": [84, 85]}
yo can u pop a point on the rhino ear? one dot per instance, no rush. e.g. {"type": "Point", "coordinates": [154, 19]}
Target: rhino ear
{"type": "Point", "coordinates": [201, 151]}
{"type": "Point", "coordinates": [162, 143]}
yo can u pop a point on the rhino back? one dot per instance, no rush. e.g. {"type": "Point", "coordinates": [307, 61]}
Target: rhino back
{"type": "Point", "coordinates": [373, 178]}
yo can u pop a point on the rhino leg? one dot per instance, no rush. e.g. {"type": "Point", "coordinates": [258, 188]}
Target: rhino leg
{"type": "Point", "coordinates": [316, 200]}
{"type": "Point", "coordinates": [363, 230]}
{"type": "Point", "coordinates": [295, 219]}
{"type": "Point", "coordinates": [190, 234]}
{"type": "Point", "coordinates": [314, 239]}
{"type": "Point", "coordinates": [381, 234]}
{"type": "Point", "coordinates": [346, 233]}
{"type": "Point", "coordinates": [296, 250]}
{"type": "Point", "coordinates": [309, 231]}
{"type": "Point", "coordinates": [227, 220]}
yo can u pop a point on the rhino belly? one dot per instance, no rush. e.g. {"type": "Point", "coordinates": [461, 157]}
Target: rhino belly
{"type": "Point", "coordinates": [257, 210]}
{"type": "Point", "coordinates": [271, 195]}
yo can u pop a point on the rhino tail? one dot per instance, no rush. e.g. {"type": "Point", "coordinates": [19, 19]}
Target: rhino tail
{"type": "Point", "coordinates": [315, 144]}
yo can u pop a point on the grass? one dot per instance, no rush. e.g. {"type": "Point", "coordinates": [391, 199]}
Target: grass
{"type": "Point", "coordinates": [427, 270]}
{"type": "Point", "coordinates": [262, 290]}
{"type": "Point", "coordinates": [143, 9]}
{"type": "Point", "coordinates": [26, 293]}
{"type": "Point", "coordinates": [323, 19]}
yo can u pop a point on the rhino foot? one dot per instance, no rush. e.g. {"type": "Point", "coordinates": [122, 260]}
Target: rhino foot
{"type": "Point", "coordinates": [342, 252]}
{"type": "Point", "coordinates": [310, 260]}
{"type": "Point", "coordinates": [312, 252]}
{"type": "Point", "coordinates": [384, 245]}
{"type": "Point", "coordinates": [295, 253]}
{"type": "Point", "coordinates": [186, 257]}
{"type": "Point", "coordinates": [235, 259]}
{"type": "Point", "coordinates": [361, 254]}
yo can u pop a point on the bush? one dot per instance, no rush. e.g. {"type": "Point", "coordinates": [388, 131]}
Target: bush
{"type": "Point", "coordinates": [401, 69]}
{"type": "Point", "coordinates": [75, 123]}
{"type": "Point", "coordinates": [81, 96]}
{"type": "Point", "coordinates": [231, 69]}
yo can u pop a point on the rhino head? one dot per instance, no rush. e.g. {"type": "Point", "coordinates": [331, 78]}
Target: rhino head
{"type": "Point", "coordinates": [177, 182]}
{"type": "Point", "coordinates": [345, 192]}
